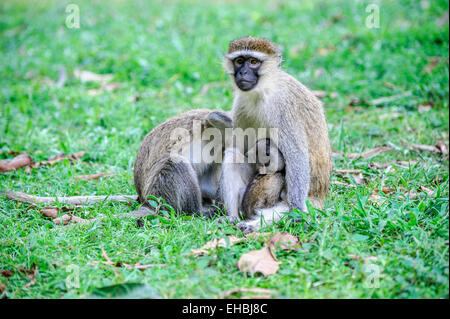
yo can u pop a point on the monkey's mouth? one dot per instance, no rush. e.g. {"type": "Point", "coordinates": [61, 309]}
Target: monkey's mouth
{"type": "Point", "coordinates": [246, 85]}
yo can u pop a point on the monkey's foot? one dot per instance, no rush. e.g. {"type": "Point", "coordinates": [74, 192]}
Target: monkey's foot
{"type": "Point", "coordinates": [246, 228]}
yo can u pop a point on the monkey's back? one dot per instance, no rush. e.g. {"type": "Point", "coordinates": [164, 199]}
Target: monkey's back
{"type": "Point", "coordinates": [157, 145]}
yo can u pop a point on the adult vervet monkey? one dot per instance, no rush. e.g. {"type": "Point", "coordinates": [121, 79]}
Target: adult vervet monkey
{"type": "Point", "coordinates": [268, 97]}
{"type": "Point", "coordinates": [171, 162]}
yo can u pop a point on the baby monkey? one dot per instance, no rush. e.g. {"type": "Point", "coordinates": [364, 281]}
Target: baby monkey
{"type": "Point", "coordinates": [265, 195]}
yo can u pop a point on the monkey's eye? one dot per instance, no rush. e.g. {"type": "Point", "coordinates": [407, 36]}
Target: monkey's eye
{"type": "Point", "coordinates": [239, 61]}
{"type": "Point", "coordinates": [254, 62]}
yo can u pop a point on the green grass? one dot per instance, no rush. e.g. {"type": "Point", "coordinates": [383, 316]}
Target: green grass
{"type": "Point", "coordinates": [165, 52]}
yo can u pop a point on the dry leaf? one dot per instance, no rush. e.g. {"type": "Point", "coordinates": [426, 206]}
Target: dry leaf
{"type": "Point", "coordinates": [428, 191]}
{"type": "Point", "coordinates": [261, 292]}
{"type": "Point", "coordinates": [284, 241]}
{"type": "Point", "coordinates": [31, 274]}
{"type": "Point", "coordinates": [442, 147]}
{"type": "Point", "coordinates": [213, 244]}
{"type": "Point", "coordinates": [93, 176]}
{"type": "Point", "coordinates": [258, 261]}
{"type": "Point", "coordinates": [2, 287]}
{"type": "Point", "coordinates": [16, 163]}
{"type": "Point", "coordinates": [87, 76]}
{"type": "Point", "coordinates": [59, 158]}
{"type": "Point", "coordinates": [429, 148]}
{"type": "Point", "coordinates": [51, 212]}
{"type": "Point", "coordinates": [424, 108]}
{"type": "Point", "coordinates": [359, 178]}
{"type": "Point", "coordinates": [7, 273]}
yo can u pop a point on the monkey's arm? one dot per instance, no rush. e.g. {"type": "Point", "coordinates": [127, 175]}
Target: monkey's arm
{"type": "Point", "coordinates": [296, 157]}
{"type": "Point", "coordinates": [235, 176]}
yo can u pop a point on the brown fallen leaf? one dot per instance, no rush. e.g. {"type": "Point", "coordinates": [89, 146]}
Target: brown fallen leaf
{"type": "Point", "coordinates": [261, 293]}
{"type": "Point", "coordinates": [442, 147]}
{"type": "Point", "coordinates": [429, 148]}
{"type": "Point", "coordinates": [66, 218]}
{"type": "Point", "coordinates": [258, 261]}
{"type": "Point", "coordinates": [16, 163]}
{"type": "Point", "coordinates": [93, 176]}
{"type": "Point", "coordinates": [7, 273]}
{"type": "Point", "coordinates": [222, 242]}
{"type": "Point", "coordinates": [59, 158]}
{"type": "Point", "coordinates": [404, 193]}
{"type": "Point", "coordinates": [283, 241]}
{"type": "Point", "coordinates": [51, 212]}
{"type": "Point", "coordinates": [424, 107]}
{"type": "Point", "coordinates": [264, 260]}
{"type": "Point", "coordinates": [428, 191]}
{"type": "Point", "coordinates": [213, 244]}
{"type": "Point", "coordinates": [31, 275]}
{"type": "Point", "coordinates": [87, 76]}
{"type": "Point", "coordinates": [2, 287]}
{"type": "Point", "coordinates": [358, 178]}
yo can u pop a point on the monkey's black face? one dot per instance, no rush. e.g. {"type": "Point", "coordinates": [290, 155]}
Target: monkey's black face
{"type": "Point", "coordinates": [246, 72]}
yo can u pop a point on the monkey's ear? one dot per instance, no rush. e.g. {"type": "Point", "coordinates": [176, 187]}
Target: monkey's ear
{"type": "Point", "coordinates": [219, 120]}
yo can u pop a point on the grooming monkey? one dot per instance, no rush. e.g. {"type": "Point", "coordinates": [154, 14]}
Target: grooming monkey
{"type": "Point", "coordinates": [182, 177]}
{"type": "Point", "coordinates": [268, 97]}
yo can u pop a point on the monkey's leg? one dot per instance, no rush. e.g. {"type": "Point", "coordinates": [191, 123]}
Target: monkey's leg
{"type": "Point", "coordinates": [236, 174]}
{"type": "Point", "coordinates": [175, 180]}
{"type": "Point", "coordinates": [264, 217]}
